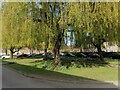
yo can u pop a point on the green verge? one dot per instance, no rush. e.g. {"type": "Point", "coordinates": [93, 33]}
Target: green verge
{"type": "Point", "coordinates": [101, 73]}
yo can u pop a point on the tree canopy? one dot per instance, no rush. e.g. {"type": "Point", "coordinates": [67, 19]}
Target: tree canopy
{"type": "Point", "coordinates": [43, 25]}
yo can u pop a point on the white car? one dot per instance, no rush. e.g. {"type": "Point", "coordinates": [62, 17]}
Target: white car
{"type": "Point", "coordinates": [5, 56]}
{"type": "Point", "coordinates": [62, 54]}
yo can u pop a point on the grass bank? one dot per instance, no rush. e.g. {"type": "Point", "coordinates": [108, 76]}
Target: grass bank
{"type": "Point", "coordinates": [45, 68]}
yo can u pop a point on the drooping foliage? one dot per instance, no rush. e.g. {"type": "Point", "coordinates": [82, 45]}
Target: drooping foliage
{"type": "Point", "coordinates": [44, 25]}
{"type": "Point", "coordinates": [94, 23]}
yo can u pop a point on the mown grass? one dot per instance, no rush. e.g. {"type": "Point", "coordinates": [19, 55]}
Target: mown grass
{"type": "Point", "coordinates": [37, 66]}
{"type": "Point", "coordinates": [111, 61]}
{"type": "Point", "coordinates": [97, 73]}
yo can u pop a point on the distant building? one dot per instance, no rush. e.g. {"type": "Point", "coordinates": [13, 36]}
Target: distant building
{"type": "Point", "coordinates": [70, 37]}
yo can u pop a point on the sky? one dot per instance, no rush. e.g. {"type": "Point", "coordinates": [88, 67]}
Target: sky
{"type": "Point", "coordinates": [1, 3]}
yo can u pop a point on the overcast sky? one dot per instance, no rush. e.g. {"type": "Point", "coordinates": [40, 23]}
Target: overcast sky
{"type": "Point", "coordinates": [1, 3]}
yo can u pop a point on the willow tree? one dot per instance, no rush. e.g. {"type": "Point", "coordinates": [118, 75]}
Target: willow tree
{"type": "Point", "coordinates": [41, 32]}
{"type": "Point", "coordinates": [14, 22]}
{"type": "Point", "coordinates": [104, 24]}
{"type": "Point", "coordinates": [53, 15]}
{"type": "Point", "coordinates": [58, 25]}
{"type": "Point", "coordinates": [78, 20]}
{"type": "Point", "coordinates": [94, 23]}
{"type": "Point", "coordinates": [118, 26]}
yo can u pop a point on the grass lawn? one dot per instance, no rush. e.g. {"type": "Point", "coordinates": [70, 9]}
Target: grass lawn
{"type": "Point", "coordinates": [97, 73]}
{"type": "Point", "coordinates": [101, 73]}
{"type": "Point", "coordinates": [111, 61]}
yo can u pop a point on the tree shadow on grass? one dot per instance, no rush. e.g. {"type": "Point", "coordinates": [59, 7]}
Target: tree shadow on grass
{"type": "Point", "coordinates": [83, 62]}
{"type": "Point", "coordinates": [77, 62]}
{"type": "Point", "coordinates": [59, 77]}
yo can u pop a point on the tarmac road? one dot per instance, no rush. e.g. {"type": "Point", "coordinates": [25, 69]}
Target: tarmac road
{"type": "Point", "coordinates": [12, 79]}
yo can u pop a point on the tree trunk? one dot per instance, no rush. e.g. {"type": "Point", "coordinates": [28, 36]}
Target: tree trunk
{"type": "Point", "coordinates": [5, 51]}
{"type": "Point", "coordinates": [98, 46]}
{"type": "Point", "coordinates": [100, 52]}
{"type": "Point", "coordinates": [58, 60]}
{"type": "Point", "coordinates": [45, 52]}
{"type": "Point", "coordinates": [81, 50]}
{"type": "Point", "coordinates": [57, 49]}
{"type": "Point", "coordinates": [46, 46]}
{"type": "Point", "coordinates": [57, 56]}
{"type": "Point", "coordinates": [11, 53]}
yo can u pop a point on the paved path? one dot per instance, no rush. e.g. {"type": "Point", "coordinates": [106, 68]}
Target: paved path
{"type": "Point", "coordinates": [12, 79]}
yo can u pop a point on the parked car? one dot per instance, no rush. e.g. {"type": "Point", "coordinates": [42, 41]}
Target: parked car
{"type": "Point", "coordinates": [94, 55]}
{"type": "Point", "coordinates": [34, 55]}
{"type": "Point", "coordinates": [81, 55]}
{"type": "Point", "coordinates": [71, 54]}
{"type": "Point", "coordinates": [62, 53]}
{"type": "Point", "coordinates": [49, 54]}
{"type": "Point", "coordinates": [22, 56]}
{"type": "Point", "coordinates": [5, 56]}
{"type": "Point", "coordinates": [66, 54]}
{"type": "Point", "coordinates": [114, 56]}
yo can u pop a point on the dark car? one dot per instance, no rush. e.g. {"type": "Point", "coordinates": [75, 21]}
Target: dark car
{"type": "Point", "coordinates": [35, 55]}
{"type": "Point", "coordinates": [22, 56]}
{"type": "Point", "coordinates": [66, 54]}
{"type": "Point", "coordinates": [94, 55]}
{"type": "Point", "coordinates": [81, 55]}
{"type": "Point", "coordinates": [48, 54]}
{"type": "Point", "coordinates": [114, 56]}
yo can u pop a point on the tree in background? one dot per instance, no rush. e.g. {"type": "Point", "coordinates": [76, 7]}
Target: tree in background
{"type": "Point", "coordinates": [16, 29]}
{"type": "Point", "coordinates": [10, 34]}
{"type": "Point", "coordinates": [94, 23]}
{"type": "Point", "coordinates": [43, 25]}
